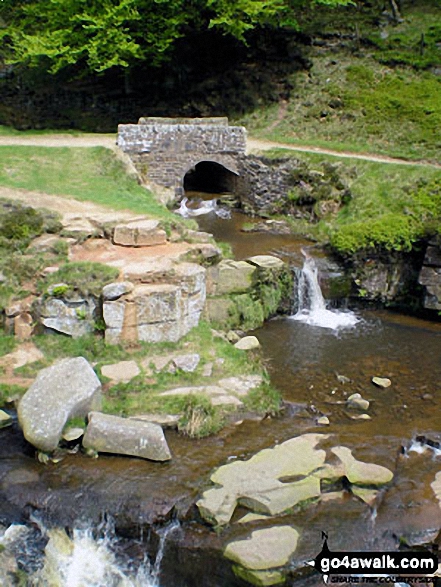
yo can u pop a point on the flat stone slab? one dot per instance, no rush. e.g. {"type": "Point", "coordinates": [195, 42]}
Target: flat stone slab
{"type": "Point", "coordinates": [121, 372]}
{"type": "Point", "coordinates": [113, 291]}
{"type": "Point", "coordinates": [265, 549]}
{"type": "Point", "coordinates": [242, 384]}
{"type": "Point", "coordinates": [248, 343]}
{"type": "Point", "coordinates": [67, 389]}
{"type": "Point", "coordinates": [257, 484]}
{"type": "Point", "coordinates": [125, 436]}
{"type": "Point", "coordinates": [266, 262]}
{"type": "Point", "coordinates": [360, 473]}
{"type": "Point", "coordinates": [24, 355]}
{"type": "Point", "coordinates": [217, 395]}
{"type": "Point", "coordinates": [140, 233]}
{"type": "Point", "coordinates": [164, 420]}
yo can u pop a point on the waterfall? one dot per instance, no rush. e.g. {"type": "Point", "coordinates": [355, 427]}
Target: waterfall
{"type": "Point", "coordinates": [89, 558]}
{"type": "Point", "coordinates": [312, 308]}
{"type": "Point", "coordinates": [205, 207]}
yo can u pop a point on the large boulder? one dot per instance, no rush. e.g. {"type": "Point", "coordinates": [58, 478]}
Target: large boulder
{"type": "Point", "coordinates": [67, 389]}
{"type": "Point", "coordinates": [112, 434]}
{"type": "Point", "coordinates": [231, 277]}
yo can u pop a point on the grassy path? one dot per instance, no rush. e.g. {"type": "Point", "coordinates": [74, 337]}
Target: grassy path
{"type": "Point", "coordinates": [258, 145]}
{"type": "Point", "coordinates": [253, 145]}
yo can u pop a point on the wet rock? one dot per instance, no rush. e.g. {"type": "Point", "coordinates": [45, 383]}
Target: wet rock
{"type": "Point", "coordinates": [360, 473]}
{"type": "Point", "coordinates": [382, 382]}
{"type": "Point", "coordinates": [67, 389]}
{"type": "Point", "coordinates": [367, 495]}
{"type": "Point", "coordinates": [323, 421]}
{"type": "Point", "coordinates": [5, 419]}
{"type": "Point", "coordinates": [257, 484]}
{"type": "Point", "coordinates": [139, 233]}
{"type": "Point", "coordinates": [248, 343]}
{"type": "Point", "coordinates": [263, 553]}
{"type": "Point", "coordinates": [436, 487]}
{"type": "Point", "coordinates": [342, 379]}
{"type": "Point", "coordinates": [111, 434]}
{"type": "Point", "coordinates": [356, 402]}
{"type": "Point", "coordinates": [359, 416]}
{"type": "Point", "coordinates": [113, 291]}
{"type": "Point", "coordinates": [121, 372]}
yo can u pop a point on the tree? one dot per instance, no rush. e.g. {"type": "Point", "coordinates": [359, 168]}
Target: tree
{"type": "Point", "coordinates": [97, 35]}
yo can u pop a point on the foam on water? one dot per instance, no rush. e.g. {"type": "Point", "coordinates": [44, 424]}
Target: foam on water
{"type": "Point", "coordinates": [205, 207]}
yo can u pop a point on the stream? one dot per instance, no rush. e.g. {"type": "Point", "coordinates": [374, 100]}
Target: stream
{"type": "Point", "coordinates": [316, 368]}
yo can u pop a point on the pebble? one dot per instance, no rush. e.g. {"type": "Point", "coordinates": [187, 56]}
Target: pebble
{"type": "Point", "coordinates": [356, 401]}
{"type": "Point", "coordinates": [323, 421]}
{"type": "Point", "coordinates": [382, 382]}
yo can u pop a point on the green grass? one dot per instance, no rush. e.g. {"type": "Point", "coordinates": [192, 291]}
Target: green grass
{"type": "Point", "coordinates": [392, 205]}
{"type": "Point", "coordinates": [355, 104]}
{"type": "Point", "coordinates": [7, 344]}
{"type": "Point", "coordinates": [9, 131]}
{"type": "Point", "coordinates": [86, 174]}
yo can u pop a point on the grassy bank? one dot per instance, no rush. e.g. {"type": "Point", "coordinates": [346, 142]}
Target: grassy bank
{"type": "Point", "coordinates": [87, 174]}
{"type": "Point", "coordinates": [356, 104]}
{"type": "Point", "coordinates": [391, 206]}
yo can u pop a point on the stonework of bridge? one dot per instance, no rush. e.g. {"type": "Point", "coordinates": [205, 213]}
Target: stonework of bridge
{"type": "Point", "coordinates": [185, 153]}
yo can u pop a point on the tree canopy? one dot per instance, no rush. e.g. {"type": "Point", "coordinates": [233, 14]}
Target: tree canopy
{"type": "Point", "coordinates": [97, 35]}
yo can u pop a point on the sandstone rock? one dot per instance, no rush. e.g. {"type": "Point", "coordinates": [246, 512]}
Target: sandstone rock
{"type": "Point", "coordinates": [264, 549]}
{"type": "Point", "coordinates": [187, 363]}
{"type": "Point", "coordinates": [5, 419]}
{"type": "Point", "coordinates": [252, 518]}
{"type": "Point", "coordinates": [232, 277]}
{"type": "Point", "coordinates": [23, 355]}
{"type": "Point", "coordinates": [140, 233]}
{"type": "Point", "coordinates": [79, 227]}
{"type": "Point", "coordinates": [436, 487]}
{"type": "Point", "coordinates": [323, 421]}
{"type": "Point", "coordinates": [124, 436]}
{"type": "Point", "coordinates": [217, 395]}
{"type": "Point", "coordinates": [67, 389]}
{"type": "Point", "coordinates": [257, 484]}
{"type": "Point", "coordinates": [382, 382]}
{"type": "Point", "coordinates": [72, 434]}
{"type": "Point", "coordinates": [232, 337]}
{"type": "Point", "coordinates": [248, 343]}
{"type": "Point", "coordinates": [218, 310]}
{"type": "Point", "coordinates": [357, 402]}
{"type": "Point", "coordinates": [360, 473]}
{"type": "Point", "coordinates": [23, 326]}
{"type": "Point", "coordinates": [113, 291]}
{"type": "Point", "coordinates": [259, 578]}
{"type": "Point", "coordinates": [367, 495]}
{"type": "Point", "coordinates": [207, 370]}
{"type": "Point", "coordinates": [46, 243]}
{"type": "Point", "coordinates": [266, 262]}
{"type": "Point", "coordinates": [74, 317]}
{"type": "Point", "coordinates": [360, 417]}
{"type": "Point", "coordinates": [121, 372]}
{"type": "Point", "coordinates": [164, 420]}
{"type": "Point", "coordinates": [242, 384]}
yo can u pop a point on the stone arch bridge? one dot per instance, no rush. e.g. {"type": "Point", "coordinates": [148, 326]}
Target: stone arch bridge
{"type": "Point", "coordinates": [201, 154]}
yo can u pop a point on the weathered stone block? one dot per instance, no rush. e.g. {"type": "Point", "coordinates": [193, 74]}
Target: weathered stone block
{"type": "Point", "coordinates": [112, 434]}
{"type": "Point", "coordinates": [232, 277]}
{"type": "Point", "coordinates": [140, 233]}
{"type": "Point", "coordinates": [67, 389]}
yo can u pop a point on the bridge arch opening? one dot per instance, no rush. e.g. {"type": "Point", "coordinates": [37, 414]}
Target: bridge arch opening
{"type": "Point", "coordinates": [210, 177]}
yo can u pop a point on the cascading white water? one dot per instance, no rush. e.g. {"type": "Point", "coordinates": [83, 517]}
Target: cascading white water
{"type": "Point", "coordinates": [87, 560]}
{"type": "Point", "coordinates": [312, 308]}
{"type": "Point", "coordinates": [205, 207]}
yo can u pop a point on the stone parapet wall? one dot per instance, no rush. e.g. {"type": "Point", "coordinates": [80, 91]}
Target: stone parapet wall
{"type": "Point", "coordinates": [163, 150]}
